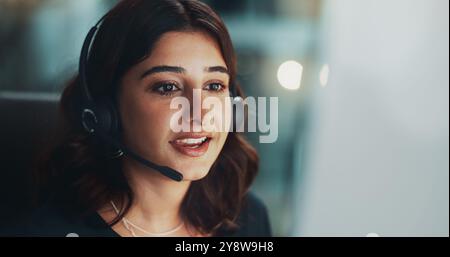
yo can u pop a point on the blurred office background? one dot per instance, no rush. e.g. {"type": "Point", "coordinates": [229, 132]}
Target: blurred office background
{"type": "Point", "coordinates": [363, 139]}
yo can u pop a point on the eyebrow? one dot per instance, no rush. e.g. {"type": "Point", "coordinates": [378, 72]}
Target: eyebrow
{"type": "Point", "coordinates": [181, 70]}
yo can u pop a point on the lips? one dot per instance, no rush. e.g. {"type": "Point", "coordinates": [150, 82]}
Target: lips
{"type": "Point", "coordinates": [192, 144]}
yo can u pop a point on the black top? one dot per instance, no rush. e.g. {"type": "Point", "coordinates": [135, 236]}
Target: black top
{"type": "Point", "coordinates": [51, 221]}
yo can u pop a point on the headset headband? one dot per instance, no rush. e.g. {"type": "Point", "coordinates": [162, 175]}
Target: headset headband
{"type": "Point", "coordinates": [84, 57]}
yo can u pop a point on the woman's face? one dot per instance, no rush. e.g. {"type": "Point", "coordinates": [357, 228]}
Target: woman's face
{"type": "Point", "coordinates": [179, 63]}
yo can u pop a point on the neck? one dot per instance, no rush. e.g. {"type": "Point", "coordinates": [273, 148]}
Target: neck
{"type": "Point", "coordinates": [157, 199]}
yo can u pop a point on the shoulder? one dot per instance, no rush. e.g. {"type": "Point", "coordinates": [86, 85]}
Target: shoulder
{"type": "Point", "coordinates": [50, 220]}
{"type": "Point", "coordinates": [253, 219]}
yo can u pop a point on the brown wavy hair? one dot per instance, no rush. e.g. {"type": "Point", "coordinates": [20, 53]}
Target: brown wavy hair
{"type": "Point", "coordinates": [77, 173]}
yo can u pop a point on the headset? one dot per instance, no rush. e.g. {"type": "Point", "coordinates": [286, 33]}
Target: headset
{"type": "Point", "coordinates": [101, 118]}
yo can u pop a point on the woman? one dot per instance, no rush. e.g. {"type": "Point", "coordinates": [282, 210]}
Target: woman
{"type": "Point", "coordinates": [145, 54]}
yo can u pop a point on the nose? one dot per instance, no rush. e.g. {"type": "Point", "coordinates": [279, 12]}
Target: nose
{"type": "Point", "coordinates": [196, 112]}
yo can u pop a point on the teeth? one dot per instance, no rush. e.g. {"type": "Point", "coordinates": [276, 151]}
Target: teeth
{"type": "Point", "coordinates": [191, 141]}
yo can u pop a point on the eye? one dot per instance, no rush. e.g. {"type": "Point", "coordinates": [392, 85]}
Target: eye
{"type": "Point", "coordinates": [165, 88]}
{"type": "Point", "coordinates": [215, 87]}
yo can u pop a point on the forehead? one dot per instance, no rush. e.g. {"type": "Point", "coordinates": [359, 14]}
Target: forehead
{"type": "Point", "coordinates": [186, 49]}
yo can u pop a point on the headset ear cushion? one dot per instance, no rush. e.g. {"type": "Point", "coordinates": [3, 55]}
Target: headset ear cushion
{"type": "Point", "coordinates": [107, 116]}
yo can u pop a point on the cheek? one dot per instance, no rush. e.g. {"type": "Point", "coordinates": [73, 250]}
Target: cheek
{"type": "Point", "coordinates": [157, 116]}
{"type": "Point", "coordinates": [221, 142]}
{"type": "Point", "coordinates": [219, 117]}
{"type": "Point", "coordinates": [144, 123]}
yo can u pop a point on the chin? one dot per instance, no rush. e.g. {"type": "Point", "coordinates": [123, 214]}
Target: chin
{"type": "Point", "coordinates": [192, 174]}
